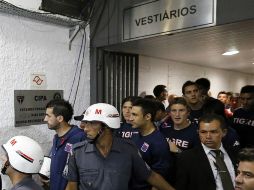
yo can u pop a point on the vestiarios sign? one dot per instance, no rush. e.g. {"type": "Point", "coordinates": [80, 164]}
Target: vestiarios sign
{"type": "Point", "coordinates": [161, 17]}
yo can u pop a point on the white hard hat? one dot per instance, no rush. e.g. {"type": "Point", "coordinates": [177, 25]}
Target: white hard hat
{"type": "Point", "coordinates": [24, 154]}
{"type": "Point", "coordinates": [45, 168]}
{"type": "Point", "coordinates": [104, 113]}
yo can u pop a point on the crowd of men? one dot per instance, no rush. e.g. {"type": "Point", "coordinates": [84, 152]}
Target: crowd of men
{"type": "Point", "coordinates": [183, 143]}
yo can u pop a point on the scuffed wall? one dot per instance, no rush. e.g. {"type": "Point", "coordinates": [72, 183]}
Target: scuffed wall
{"type": "Point", "coordinates": [28, 47]}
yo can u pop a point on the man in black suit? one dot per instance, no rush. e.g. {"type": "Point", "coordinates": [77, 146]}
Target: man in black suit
{"type": "Point", "coordinates": [197, 168]}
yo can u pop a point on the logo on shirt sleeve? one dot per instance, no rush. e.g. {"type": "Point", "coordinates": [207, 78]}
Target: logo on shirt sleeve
{"type": "Point", "coordinates": [144, 147]}
{"type": "Point", "coordinates": [68, 148]}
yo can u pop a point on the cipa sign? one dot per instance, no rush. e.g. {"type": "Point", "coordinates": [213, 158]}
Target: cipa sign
{"type": "Point", "coordinates": [30, 105]}
{"type": "Point", "coordinates": [162, 17]}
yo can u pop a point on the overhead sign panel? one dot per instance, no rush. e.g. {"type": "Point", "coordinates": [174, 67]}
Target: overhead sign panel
{"type": "Point", "coordinates": [161, 17]}
{"type": "Point", "coordinates": [30, 105]}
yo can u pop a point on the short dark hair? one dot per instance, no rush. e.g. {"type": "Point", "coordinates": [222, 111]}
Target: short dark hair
{"type": "Point", "coordinates": [215, 106]}
{"type": "Point", "coordinates": [129, 99]}
{"type": "Point", "coordinates": [159, 106]}
{"type": "Point", "coordinates": [188, 83]}
{"type": "Point", "coordinates": [158, 90]}
{"type": "Point", "coordinates": [247, 89]}
{"type": "Point", "coordinates": [246, 154]}
{"type": "Point", "coordinates": [147, 106]}
{"type": "Point", "coordinates": [208, 118]}
{"type": "Point", "coordinates": [230, 93]}
{"type": "Point", "coordinates": [203, 83]}
{"type": "Point", "coordinates": [222, 92]}
{"type": "Point", "coordinates": [180, 100]}
{"type": "Point", "coordinates": [61, 107]}
{"type": "Point", "coordinates": [149, 96]}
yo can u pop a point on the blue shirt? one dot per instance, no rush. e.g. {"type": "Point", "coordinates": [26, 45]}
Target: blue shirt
{"type": "Point", "coordinates": [126, 131]}
{"type": "Point", "coordinates": [184, 139]}
{"type": "Point", "coordinates": [155, 152]}
{"type": "Point", "coordinates": [195, 115]}
{"type": "Point", "coordinates": [91, 170]}
{"type": "Point", "coordinates": [231, 139]}
{"type": "Point", "coordinates": [243, 123]}
{"type": "Point", "coordinates": [164, 123]}
{"type": "Point", "coordinates": [59, 152]}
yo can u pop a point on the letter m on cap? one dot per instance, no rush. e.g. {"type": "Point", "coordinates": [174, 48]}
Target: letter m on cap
{"type": "Point", "coordinates": [13, 142]}
{"type": "Point", "coordinates": [97, 111]}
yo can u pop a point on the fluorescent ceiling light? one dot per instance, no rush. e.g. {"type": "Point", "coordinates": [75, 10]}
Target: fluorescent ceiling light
{"type": "Point", "coordinates": [232, 52]}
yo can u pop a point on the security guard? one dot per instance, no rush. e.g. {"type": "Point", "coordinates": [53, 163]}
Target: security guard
{"type": "Point", "coordinates": [106, 162]}
{"type": "Point", "coordinates": [23, 158]}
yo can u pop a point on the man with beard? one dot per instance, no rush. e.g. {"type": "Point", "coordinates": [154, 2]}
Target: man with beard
{"type": "Point", "coordinates": [58, 113]}
{"type": "Point", "coordinates": [106, 162]}
{"type": "Point", "coordinates": [150, 141]}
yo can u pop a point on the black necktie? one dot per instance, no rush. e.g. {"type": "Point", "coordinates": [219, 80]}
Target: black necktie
{"type": "Point", "coordinates": [223, 171]}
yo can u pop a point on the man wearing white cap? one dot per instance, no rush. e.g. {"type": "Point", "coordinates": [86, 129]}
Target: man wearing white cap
{"type": "Point", "coordinates": [23, 158]}
{"type": "Point", "coordinates": [106, 162]}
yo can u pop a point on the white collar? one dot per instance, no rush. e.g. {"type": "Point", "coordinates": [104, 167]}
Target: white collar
{"type": "Point", "coordinates": [207, 150]}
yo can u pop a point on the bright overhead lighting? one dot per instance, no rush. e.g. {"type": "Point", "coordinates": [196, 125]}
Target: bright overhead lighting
{"type": "Point", "coordinates": [232, 52]}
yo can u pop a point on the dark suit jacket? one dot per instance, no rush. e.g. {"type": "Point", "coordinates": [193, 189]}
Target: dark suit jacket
{"type": "Point", "coordinates": [194, 171]}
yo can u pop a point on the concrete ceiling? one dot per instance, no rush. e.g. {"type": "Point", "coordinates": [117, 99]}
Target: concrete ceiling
{"type": "Point", "coordinates": [202, 47]}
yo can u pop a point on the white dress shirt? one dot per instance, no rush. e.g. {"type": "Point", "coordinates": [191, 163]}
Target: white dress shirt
{"type": "Point", "coordinates": [212, 161]}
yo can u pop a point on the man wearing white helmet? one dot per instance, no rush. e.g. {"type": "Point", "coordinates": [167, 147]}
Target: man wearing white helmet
{"type": "Point", "coordinates": [106, 162]}
{"type": "Point", "coordinates": [23, 158]}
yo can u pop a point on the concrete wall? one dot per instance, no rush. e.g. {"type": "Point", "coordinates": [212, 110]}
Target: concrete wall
{"type": "Point", "coordinates": [27, 47]}
{"type": "Point", "coordinates": [27, 4]}
{"type": "Point", "coordinates": [153, 71]}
